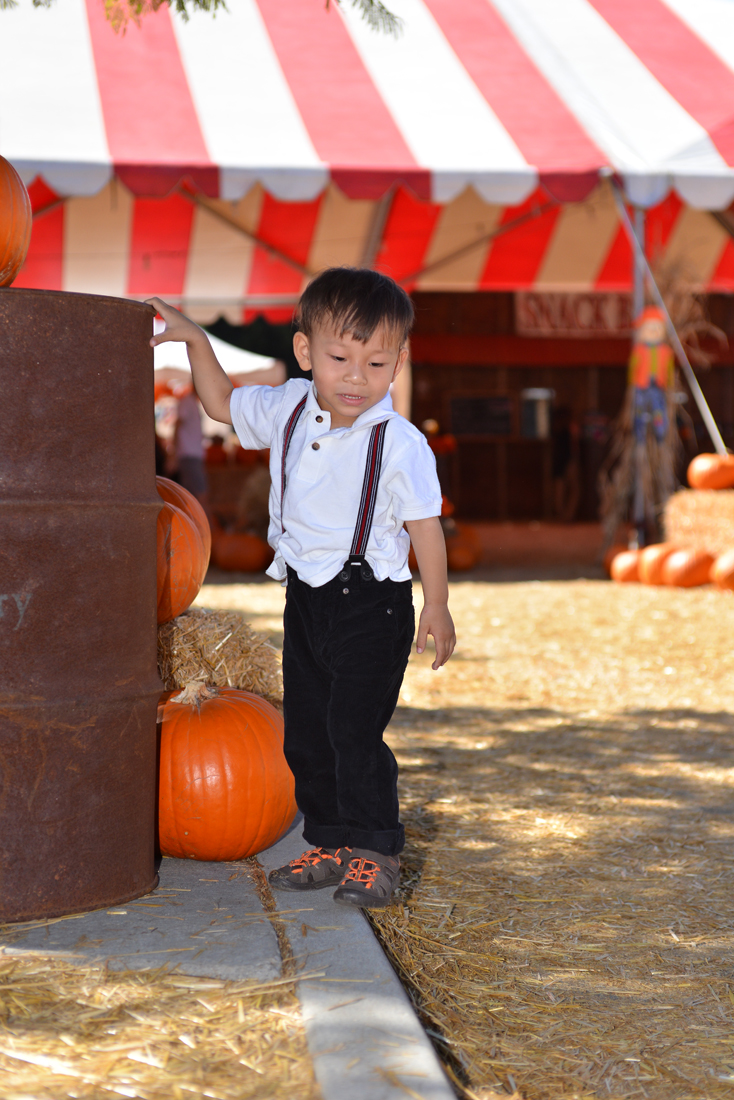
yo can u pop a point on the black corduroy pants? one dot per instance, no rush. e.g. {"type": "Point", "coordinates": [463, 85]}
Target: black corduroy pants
{"type": "Point", "coordinates": [345, 650]}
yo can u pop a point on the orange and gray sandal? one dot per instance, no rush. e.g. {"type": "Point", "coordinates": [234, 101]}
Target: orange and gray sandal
{"type": "Point", "coordinates": [369, 881]}
{"type": "Point", "coordinates": [315, 869]}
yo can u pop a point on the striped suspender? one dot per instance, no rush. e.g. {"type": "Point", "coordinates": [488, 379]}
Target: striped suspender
{"type": "Point", "coordinates": [287, 437]}
{"type": "Point", "coordinates": [366, 507]}
{"type": "Point", "coordinates": [369, 491]}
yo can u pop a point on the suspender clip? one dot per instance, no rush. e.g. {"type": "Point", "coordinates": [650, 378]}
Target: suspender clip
{"type": "Point", "coordinates": [357, 561]}
{"type": "Point", "coordinates": [365, 569]}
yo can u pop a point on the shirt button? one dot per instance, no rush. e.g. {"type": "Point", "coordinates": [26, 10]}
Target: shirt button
{"type": "Point", "coordinates": [319, 419]}
{"type": "Point", "coordinates": [315, 446]}
{"type": "Point", "coordinates": [345, 591]}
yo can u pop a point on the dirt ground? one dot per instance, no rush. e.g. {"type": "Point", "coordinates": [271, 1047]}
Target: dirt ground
{"type": "Point", "coordinates": [565, 924]}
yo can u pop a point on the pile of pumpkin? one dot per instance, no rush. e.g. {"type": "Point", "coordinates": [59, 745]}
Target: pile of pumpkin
{"type": "Point", "coordinates": [225, 790]}
{"type": "Point", "coordinates": [672, 564]}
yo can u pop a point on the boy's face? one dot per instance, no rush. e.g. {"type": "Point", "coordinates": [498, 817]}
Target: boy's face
{"type": "Point", "coordinates": [350, 377]}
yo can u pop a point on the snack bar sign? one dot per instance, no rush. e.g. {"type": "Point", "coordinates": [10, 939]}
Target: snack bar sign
{"type": "Point", "coordinates": [560, 314]}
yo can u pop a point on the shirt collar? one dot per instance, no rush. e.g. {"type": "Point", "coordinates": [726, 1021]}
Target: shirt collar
{"type": "Point", "coordinates": [383, 410]}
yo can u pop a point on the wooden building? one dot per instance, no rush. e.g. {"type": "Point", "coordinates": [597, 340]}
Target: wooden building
{"type": "Point", "coordinates": [473, 371]}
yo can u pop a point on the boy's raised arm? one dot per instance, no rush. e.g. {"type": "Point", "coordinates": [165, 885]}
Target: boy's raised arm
{"type": "Point", "coordinates": [212, 386]}
{"type": "Point", "coordinates": [430, 552]}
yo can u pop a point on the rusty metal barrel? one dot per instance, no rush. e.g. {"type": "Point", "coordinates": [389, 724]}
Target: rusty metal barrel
{"type": "Point", "coordinates": [78, 679]}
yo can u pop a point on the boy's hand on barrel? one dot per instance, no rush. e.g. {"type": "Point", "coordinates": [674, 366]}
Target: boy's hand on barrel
{"type": "Point", "coordinates": [211, 384]}
{"type": "Point", "coordinates": [178, 327]}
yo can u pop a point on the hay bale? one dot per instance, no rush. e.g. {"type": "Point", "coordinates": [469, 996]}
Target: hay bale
{"type": "Point", "coordinates": [220, 648]}
{"type": "Point", "coordinates": [701, 518]}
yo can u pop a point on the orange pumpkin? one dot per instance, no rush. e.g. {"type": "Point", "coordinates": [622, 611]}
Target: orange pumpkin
{"type": "Point", "coordinates": [463, 549]}
{"type": "Point", "coordinates": [240, 552]}
{"type": "Point", "coordinates": [711, 472]}
{"type": "Point", "coordinates": [181, 562]}
{"type": "Point", "coordinates": [225, 789]}
{"type": "Point", "coordinates": [687, 568]}
{"type": "Point", "coordinates": [610, 555]}
{"type": "Point", "coordinates": [722, 571]}
{"type": "Point", "coordinates": [652, 559]}
{"type": "Point", "coordinates": [16, 221]}
{"type": "Point", "coordinates": [625, 567]}
{"type": "Point", "coordinates": [187, 502]}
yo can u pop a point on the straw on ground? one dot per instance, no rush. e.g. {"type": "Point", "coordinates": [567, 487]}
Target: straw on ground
{"type": "Point", "coordinates": [565, 925]}
{"type": "Point", "coordinates": [72, 1030]}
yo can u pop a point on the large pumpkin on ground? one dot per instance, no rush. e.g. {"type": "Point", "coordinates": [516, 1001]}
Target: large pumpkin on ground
{"type": "Point", "coordinates": [687, 568]}
{"type": "Point", "coordinates": [225, 790]}
{"type": "Point", "coordinates": [625, 567]}
{"type": "Point", "coordinates": [711, 472]}
{"type": "Point", "coordinates": [722, 571]}
{"type": "Point", "coordinates": [173, 493]}
{"type": "Point", "coordinates": [16, 221]}
{"type": "Point", "coordinates": [181, 562]}
{"type": "Point", "coordinates": [652, 559]}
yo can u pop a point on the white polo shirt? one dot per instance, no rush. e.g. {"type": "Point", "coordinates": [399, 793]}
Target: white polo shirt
{"type": "Point", "coordinates": [324, 482]}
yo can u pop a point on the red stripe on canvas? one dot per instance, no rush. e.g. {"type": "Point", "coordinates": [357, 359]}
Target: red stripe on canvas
{"type": "Point", "coordinates": [514, 259]}
{"type": "Point", "coordinates": [153, 129]}
{"type": "Point", "coordinates": [290, 226]}
{"type": "Point", "coordinates": [680, 61]}
{"type": "Point", "coordinates": [41, 195]}
{"type": "Point", "coordinates": [43, 268]}
{"type": "Point", "coordinates": [544, 130]}
{"type": "Point", "coordinates": [346, 117]}
{"type": "Point", "coordinates": [407, 236]}
{"type": "Point", "coordinates": [660, 222]}
{"type": "Point", "coordinates": [616, 271]}
{"type": "Point", "coordinates": [159, 246]}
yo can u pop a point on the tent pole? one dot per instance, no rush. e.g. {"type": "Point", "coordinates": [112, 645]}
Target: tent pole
{"type": "Point", "coordinates": [376, 231]}
{"type": "Point", "coordinates": [691, 379]}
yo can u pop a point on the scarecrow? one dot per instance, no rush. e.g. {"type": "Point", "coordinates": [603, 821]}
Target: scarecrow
{"type": "Point", "coordinates": [639, 473]}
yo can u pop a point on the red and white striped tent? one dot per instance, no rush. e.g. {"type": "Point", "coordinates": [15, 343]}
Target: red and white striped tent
{"type": "Point", "coordinates": [221, 160]}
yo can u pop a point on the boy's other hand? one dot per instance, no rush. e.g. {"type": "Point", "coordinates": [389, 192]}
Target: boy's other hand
{"type": "Point", "coordinates": [436, 620]}
{"type": "Point", "coordinates": [178, 327]}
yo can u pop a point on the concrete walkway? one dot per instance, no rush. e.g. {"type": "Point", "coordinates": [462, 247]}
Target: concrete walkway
{"type": "Point", "coordinates": [207, 919]}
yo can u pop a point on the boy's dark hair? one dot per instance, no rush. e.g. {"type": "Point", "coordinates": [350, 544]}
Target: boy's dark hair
{"type": "Point", "coordinates": [355, 300]}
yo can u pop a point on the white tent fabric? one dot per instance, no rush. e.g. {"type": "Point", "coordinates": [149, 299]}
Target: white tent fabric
{"type": "Point", "coordinates": [493, 94]}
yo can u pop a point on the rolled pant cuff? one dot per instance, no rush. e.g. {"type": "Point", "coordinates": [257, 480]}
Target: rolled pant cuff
{"type": "Point", "coordinates": [325, 836]}
{"type": "Point", "coordinates": [388, 842]}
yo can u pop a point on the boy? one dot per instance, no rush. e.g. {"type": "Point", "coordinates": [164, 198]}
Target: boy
{"type": "Point", "coordinates": [347, 475]}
